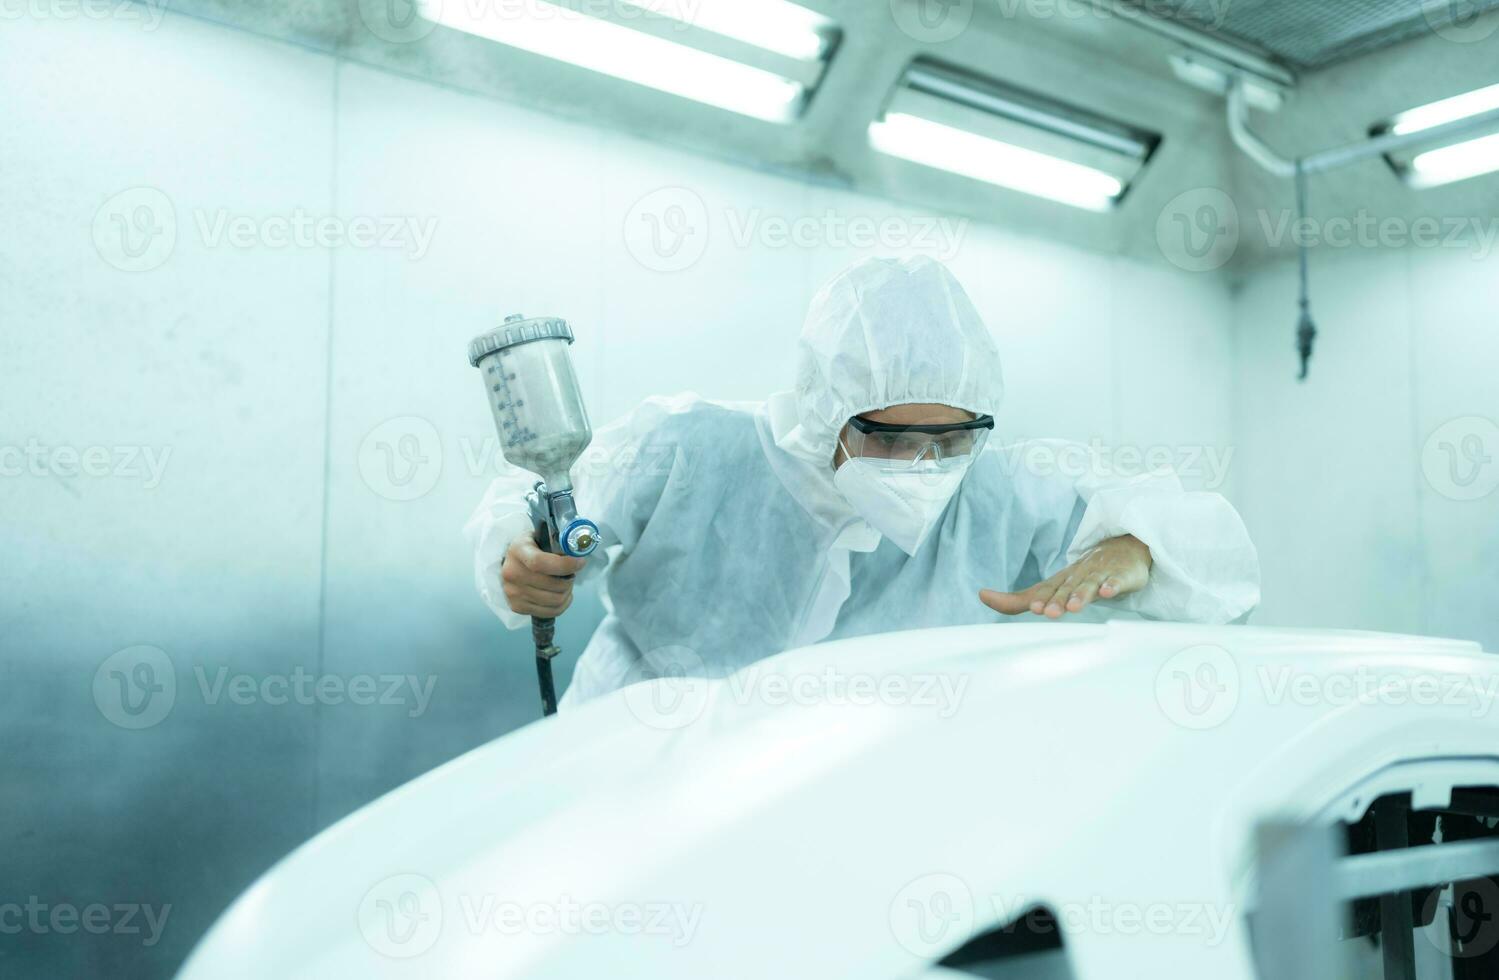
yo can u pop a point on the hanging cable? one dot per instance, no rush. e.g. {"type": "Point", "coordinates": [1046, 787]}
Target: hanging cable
{"type": "Point", "coordinates": [1306, 330]}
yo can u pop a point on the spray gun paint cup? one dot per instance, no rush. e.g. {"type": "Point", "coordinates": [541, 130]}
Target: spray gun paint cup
{"type": "Point", "coordinates": [538, 412]}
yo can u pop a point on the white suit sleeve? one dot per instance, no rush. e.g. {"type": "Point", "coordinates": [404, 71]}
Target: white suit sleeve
{"type": "Point", "coordinates": [616, 484]}
{"type": "Point", "coordinates": [1204, 567]}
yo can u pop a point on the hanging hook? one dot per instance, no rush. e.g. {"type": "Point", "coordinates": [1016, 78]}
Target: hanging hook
{"type": "Point", "coordinates": [1306, 330]}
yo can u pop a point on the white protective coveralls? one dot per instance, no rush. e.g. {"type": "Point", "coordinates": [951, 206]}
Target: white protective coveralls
{"type": "Point", "coordinates": [724, 540]}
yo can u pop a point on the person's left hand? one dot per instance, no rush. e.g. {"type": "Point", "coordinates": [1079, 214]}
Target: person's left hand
{"type": "Point", "coordinates": [1108, 570]}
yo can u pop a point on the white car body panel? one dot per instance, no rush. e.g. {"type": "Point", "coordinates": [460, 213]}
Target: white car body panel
{"type": "Point", "coordinates": [1082, 766]}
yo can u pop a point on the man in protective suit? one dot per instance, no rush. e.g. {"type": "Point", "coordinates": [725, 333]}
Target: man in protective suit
{"type": "Point", "coordinates": [866, 499]}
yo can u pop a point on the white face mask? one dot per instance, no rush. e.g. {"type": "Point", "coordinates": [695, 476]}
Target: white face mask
{"type": "Point", "coordinates": [903, 505]}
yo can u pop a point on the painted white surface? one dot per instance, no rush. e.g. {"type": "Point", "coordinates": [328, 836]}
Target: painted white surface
{"type": "Point", "coordinates": [873, 803]}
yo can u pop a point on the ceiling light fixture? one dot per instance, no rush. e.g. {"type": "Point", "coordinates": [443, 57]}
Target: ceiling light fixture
{"type": "Point", "coordinates": [609, 48]}
{"type": "Point", "coordinates": [948, 118]}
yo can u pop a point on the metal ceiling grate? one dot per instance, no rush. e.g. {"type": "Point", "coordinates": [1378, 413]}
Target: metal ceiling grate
{"type": "Point", "coordinates": [1317, 33]}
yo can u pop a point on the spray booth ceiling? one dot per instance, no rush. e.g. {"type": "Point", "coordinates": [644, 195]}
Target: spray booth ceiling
{"type": "Point", "coordinates": [1343, 65]}
{"type": "Point", "coordinates": [1308, 34]}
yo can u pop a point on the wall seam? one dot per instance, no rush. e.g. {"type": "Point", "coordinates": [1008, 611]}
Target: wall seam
{"type": "Point", "coordinates": [1412, 380]}
{"type": "Point", "coordinates": [322, 605]}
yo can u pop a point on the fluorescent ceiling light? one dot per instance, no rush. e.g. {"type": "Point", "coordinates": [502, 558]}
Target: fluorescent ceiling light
{"type": "Point", "coordinates": [620, 52]}
{"type": "Point", "coordinates": [774, 25]}
{"type": "Point", "coordinates": [951, 118]}
{"type": "Point", "coordinates": [989, 97]}
{"type": "Point", "coordinates": [981, 158]}
{"type": "Point", "coordinates": [1447, 110]}
{"type": "Point", "coordinates": [1457, 162]}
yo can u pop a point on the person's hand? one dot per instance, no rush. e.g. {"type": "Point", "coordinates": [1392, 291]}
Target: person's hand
{"type": "Point", "coordinates": [533, 579]}
{"type": "Point", "coordinates": [1108, 570]}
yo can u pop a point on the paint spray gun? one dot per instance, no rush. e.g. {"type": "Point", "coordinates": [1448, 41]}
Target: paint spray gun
{"type": "Point", "coordinates": [543, 428]}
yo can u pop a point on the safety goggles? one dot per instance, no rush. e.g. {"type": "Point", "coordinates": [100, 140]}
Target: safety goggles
{"type": "Point", "coordinates": [901, 446]}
